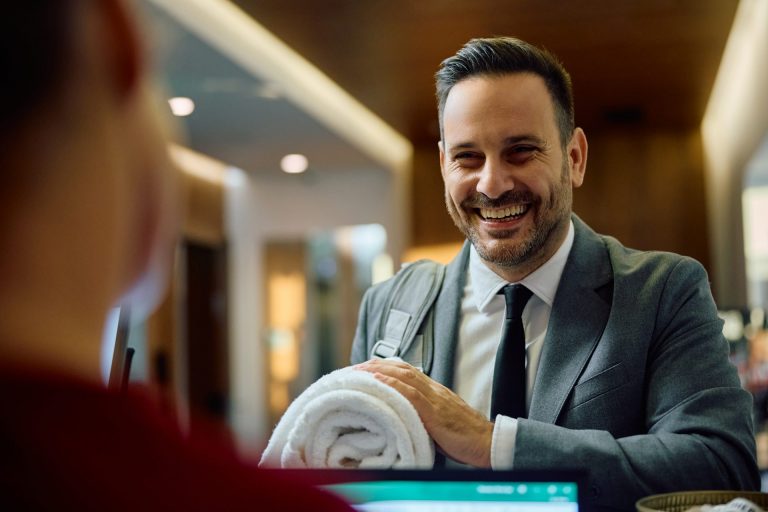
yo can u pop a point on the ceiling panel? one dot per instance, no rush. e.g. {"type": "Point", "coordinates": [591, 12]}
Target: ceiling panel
{"type": "Point", "coordinates": [239, 118]}
{"type": "Point", "coordinates": [646, 62]}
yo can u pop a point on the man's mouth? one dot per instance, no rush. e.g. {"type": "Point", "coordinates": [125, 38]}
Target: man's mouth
{"type": "Point", "coordinates": [502, 214]}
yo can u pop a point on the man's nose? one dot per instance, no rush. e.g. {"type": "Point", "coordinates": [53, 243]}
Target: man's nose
{"type": "Point", "coordinates": [495, 179]}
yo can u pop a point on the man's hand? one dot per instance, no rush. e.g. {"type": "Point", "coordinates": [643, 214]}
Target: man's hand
{"type": "Point", "coordinates": [460, 432]}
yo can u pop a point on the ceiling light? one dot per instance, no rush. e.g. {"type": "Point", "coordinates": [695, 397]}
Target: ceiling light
{"type": "Point", "coordinates": [294, 164]}
{"type": "Point", "coordinates": [181, 106]}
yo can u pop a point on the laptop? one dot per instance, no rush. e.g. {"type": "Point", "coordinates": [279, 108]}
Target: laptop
{"type": "Point", "coordinates": [457, 490]}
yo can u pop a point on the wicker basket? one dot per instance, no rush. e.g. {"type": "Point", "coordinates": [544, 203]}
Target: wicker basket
{"type": "Point", "coordinates": [682, 501]}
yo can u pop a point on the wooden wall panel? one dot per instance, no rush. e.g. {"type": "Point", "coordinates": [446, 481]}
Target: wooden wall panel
{"type": "Point", "coordinates": [203, 207]}
{"type": "Point", "coordinates": [647, 190]}
{"type": "Point", "coordinates": [430, 222]}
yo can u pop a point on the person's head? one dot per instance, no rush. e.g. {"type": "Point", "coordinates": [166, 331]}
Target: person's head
{"type": "Point", "coordinates": [87, 195]}
{"type": "Point", "coordinates": [509, 152]}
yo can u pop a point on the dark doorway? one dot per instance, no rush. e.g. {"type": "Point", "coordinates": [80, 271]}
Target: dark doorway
{"type": "Point", "coordinates": [205, 330]}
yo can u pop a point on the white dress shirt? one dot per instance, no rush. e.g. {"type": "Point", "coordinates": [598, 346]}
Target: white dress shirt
{"type": "Point", "coordinates": [482, 319]}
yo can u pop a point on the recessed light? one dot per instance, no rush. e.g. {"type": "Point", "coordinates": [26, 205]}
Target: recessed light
{"type": "Point", "coordinates": [181, 106]}
{"type": "Point", "coordinates": [294, 164]}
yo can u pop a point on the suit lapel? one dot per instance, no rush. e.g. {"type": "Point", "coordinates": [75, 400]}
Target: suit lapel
{"type": "Point", "coordinates": [579, 315]}
{"type": "Point", "coordinates": [447, 316]}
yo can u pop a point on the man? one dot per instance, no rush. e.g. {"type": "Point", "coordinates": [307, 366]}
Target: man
{"type": "Point", "coordinates": [87, 207]}
{"type": "Point", "coordinates": [627, 369]}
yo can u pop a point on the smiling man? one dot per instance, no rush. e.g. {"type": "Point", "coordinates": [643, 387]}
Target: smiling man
{"type": "Point", "coordinates": [554, 346]}
{"type": "Point", "coordinates": [508, 175]}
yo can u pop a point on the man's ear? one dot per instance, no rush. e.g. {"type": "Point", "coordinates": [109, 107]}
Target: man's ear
{"type": "Point", "coordinates": [123, 49]}
{"type": "Point", "coordinates": [577, 157]}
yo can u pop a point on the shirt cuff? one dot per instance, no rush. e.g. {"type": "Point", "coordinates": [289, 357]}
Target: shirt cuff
{"type": "Point", "coordinates": [503, 442]}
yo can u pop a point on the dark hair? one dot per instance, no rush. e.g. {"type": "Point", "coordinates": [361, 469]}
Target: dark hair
{"type": "Point", "coordinates": [34, 47]}
{"type": "Point", "coordinates": [504, 55]}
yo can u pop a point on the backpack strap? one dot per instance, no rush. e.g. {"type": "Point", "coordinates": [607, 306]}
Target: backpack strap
{"type": "Point", "coordinates": [407, 314]}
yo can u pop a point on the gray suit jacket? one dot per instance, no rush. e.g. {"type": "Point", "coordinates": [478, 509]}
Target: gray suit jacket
{"type": "Point", "coordinates": [634, 381]}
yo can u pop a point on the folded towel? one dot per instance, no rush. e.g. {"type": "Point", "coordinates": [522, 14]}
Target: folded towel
{"type": "Point", "coordinates": [348, 419]}
{"type": "Point", "coordinates": [735, 505]}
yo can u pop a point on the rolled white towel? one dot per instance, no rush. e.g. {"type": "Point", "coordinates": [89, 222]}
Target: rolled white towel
{"type": "Point", "coordinates": [348, 419]}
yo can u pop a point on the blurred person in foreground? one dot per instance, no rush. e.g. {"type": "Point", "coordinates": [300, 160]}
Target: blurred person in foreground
{"type": "Point", "coordinates": [87, 221]}
{"type": "Point", "coordinates": [624, 369]}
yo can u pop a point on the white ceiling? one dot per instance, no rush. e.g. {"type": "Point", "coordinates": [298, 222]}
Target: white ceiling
{"type": "Point", "coordinates": [241, 119]}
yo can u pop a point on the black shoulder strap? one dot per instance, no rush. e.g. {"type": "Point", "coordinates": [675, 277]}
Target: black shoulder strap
{"type": "Point", "coordinates": [408, 304]}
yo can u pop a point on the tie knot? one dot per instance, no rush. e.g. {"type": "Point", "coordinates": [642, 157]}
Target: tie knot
{"type": "Point", "coordinates": [516, 296]}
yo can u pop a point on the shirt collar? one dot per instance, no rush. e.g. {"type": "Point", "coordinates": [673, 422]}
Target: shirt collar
{"type": "Point", "coordinates": [543, 281]}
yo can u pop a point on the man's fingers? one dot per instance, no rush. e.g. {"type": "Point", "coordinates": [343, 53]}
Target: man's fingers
{"type": "Point", "coordinates": [383, 363]}
{"type": "Point", "coordinates": [395, 369]}
{"type": "Point", "coordinates": [411, 394]}
{"type": "Point", "coordinates": [458, 430]}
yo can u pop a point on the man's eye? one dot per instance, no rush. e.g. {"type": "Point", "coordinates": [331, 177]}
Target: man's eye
{"type": "Point", "coordinates": [462, 157]}
{"type": "Point", "coordinates": [520, 154]}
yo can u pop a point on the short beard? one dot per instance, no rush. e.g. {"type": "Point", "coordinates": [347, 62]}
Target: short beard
{"type": "Point", "coordinates": [544, 226]}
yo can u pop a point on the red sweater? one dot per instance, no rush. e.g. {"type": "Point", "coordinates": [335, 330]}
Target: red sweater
{"type": "Point", "coordinates": [67, 445]}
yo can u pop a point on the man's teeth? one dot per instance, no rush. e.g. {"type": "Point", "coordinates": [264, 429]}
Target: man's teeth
{"type": "Point", "coordinates": [500, 213]}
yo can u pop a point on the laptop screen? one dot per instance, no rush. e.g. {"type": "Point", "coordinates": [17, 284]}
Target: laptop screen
{"type": "Point", "coordinates": [458, 490]}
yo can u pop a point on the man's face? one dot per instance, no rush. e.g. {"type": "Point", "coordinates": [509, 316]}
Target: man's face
{"type": "Point", "coordinates": [507, 177]}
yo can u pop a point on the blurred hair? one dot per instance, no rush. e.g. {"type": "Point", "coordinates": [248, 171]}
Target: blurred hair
{"type": "Point", "coordinates": [504, 55]}
{"type": "Point", "coordinates": [34, 48]}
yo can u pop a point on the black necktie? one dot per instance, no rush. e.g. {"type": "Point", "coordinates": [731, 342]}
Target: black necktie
{"type": "Point", "coordinates": [508, 396]}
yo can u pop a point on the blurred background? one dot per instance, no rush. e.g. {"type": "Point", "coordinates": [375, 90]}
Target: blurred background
{"type": "Point", "coordinates": [310, 170]}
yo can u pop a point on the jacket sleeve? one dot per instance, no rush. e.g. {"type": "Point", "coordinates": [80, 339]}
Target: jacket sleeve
{"type": "Point", "coordinates": [698, 424]}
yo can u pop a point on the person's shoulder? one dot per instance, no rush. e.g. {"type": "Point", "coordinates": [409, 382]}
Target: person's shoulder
{"type": "Point", "coordinates": [632, 256]}
{"type": "Point", "coordinates": [383, 288]}
{"type": "Point", "coordinates": [649, 263]}
{"type": "Point", "coordinates": [113, 437]}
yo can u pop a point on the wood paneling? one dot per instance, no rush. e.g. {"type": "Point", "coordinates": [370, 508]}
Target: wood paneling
{"type": "Point", "coordinates": [659, 56]}
{"type": "Point", "coordinates": [647, 190]}
{"type": "Point", "coordinates": [203, 207]}
{"type": "Point", "coordinates": [430, 223]}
